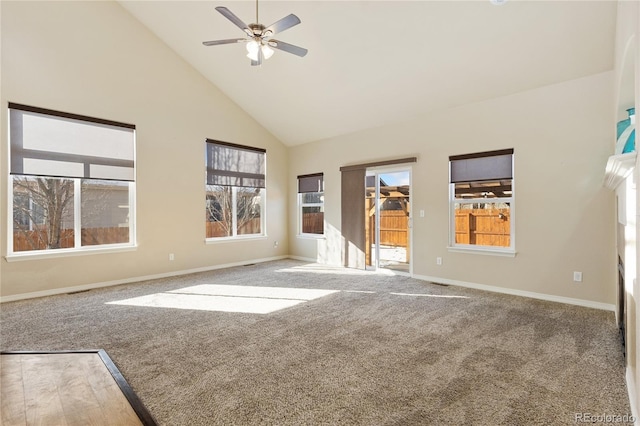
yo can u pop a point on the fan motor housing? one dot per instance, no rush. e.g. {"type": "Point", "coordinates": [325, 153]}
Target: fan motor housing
{"type": "Point", "coordinates": [257, 29]}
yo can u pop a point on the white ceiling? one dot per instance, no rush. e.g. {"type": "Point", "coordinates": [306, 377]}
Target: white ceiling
{"type": "Point", "coordinates": [372, 63]}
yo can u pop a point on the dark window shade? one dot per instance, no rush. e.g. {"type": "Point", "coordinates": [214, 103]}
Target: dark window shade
{"type": "Point", "coordinates": [235, 165]}
{"type": "Point", "coordinates": [64, 145]}
{"type": "Point", "coordinates": [311, 183]}
{"type": "Point", "coordinates": [497, 165]}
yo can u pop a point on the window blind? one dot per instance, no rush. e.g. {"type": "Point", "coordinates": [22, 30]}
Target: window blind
{"type": "Point", "coordinates": [311, 183]}
{"type": "Point", "coordinates": [235, 165]}
{"type": "Point", "coordinates": [491, 165]}
{"type": "Point", "coordinates": [54, 144]}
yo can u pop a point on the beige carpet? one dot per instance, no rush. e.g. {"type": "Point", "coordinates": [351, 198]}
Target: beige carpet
{"type": "Point", "coordinates": [375, 350]}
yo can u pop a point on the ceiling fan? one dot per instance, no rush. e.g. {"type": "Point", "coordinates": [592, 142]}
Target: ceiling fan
{"type": "Point", "coordinates": [260, 45]}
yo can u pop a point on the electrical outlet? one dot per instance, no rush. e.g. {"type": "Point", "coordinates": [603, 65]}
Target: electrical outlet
{"type": "Point", "coordinates": [172, 256]}
{"type": "Point", "coordinates": [577, 276]}
{"type": "Point", "coordinates": [275, 244]}
{"type": "Point", "coordinates": [438, 261]}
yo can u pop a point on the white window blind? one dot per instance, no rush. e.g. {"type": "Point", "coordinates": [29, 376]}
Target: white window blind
{"type": "Point", "coordinates": [54, 144]}
{"type": "Point", "coordinates": [235, 165]}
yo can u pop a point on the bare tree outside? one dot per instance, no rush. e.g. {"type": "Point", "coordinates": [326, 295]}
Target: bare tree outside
{"type": "Point", "coordinates": [248, 210]}
{"type": "Point", "coordinates": [220, 210]}
{"type": "Point", "coordinates": [40, 216]}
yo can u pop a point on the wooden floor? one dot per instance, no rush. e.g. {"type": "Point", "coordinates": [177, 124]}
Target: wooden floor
{"type": "Point", "coordinates": [61, 389]}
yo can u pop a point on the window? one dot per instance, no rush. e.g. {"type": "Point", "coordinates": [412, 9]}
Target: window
{"type": "Point", "coordinates": [235, 190]}
{"type": "Point", "coordinates": [311, 204]}
{"type": "Point", "coordinates": [72, 181]}
{"type": "Point", "coordinates": [481, 201]}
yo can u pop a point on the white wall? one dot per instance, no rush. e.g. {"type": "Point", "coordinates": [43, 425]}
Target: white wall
{"type": "Point", "coordinates": [561, 135]}
{"type": "Point", "coordinates": [95, 59]}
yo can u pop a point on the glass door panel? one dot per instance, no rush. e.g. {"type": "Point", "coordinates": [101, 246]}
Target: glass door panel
{"type": "Point", "coordinates": [387, 220]}
{"type": "Point", "coordinates": [394, 220]}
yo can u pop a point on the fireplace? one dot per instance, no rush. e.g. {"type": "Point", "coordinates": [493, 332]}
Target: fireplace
{"type": "Point", "coordinates": [622, 311]}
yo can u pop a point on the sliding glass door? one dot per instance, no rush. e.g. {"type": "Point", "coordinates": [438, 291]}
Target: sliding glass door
{"type": "Point", "coordinates": [388, 219]}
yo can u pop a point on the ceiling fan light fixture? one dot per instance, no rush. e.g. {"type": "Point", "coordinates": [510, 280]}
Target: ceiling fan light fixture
{"type": "Point", "coordinates": [252, 50]}
{"type": "Point", "coordinates": [267, 51]}
{"type": "Point", "coordinates": [252, 46]}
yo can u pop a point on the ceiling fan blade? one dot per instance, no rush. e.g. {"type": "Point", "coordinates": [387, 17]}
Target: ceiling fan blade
{"type": "Point", "coordinates": [227, 41]}
{"type": "Point", "coordinates": [281, 45]}
{"type": "Point", "coordinates": [233, 18]}
{"type": "Point", "coordinates": [283, 24]}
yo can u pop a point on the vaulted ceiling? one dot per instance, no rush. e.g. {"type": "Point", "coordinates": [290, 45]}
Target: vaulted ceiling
{"type": "Point", "coordinates": [372, 63]}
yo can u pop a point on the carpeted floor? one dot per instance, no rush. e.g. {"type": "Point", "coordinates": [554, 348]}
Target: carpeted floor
{"type": "Point", "coordinates": [381, 350]}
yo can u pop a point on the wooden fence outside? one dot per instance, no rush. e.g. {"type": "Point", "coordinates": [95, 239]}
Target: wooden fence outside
{"type": "Point", "coordinates": [313, 223]}
{"type": "Point", "coordinates": [37, 239]}
{"type": "Point", "coordinates": [394, 228]}
{"type": "Point", "coordinates": [97, 236]}
{"type": "Point", "coordinates": [487, 227]}
{"type": "Point", "coordinates": [218, 229]}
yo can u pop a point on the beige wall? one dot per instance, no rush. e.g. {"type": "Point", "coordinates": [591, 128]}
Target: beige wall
{"type": "Point", "coordinates": [562, 138]}
{"type": "Point", "coordinates": [560, 134]}
{"type": "Point", "coordinates": [95, 59]}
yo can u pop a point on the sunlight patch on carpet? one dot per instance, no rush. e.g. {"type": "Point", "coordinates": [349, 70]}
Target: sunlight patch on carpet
{"type": "Point", "coordinates": [430, 295]}
{"type": "Point", "coordinates": [316, 268]}
{"type": "Point", "coordinates": [255, 291]}
{"type": "Point", "coordinates": [228, 298]}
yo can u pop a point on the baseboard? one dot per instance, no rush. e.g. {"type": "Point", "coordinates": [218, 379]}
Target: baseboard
{"type": "Point", "coordinates": [541, 296]}
{"type": "Point", "coordinates": [92, 286]}
{"type": "Point", "coordinates": [530, 294]}
{"type": "Point", "coordinates": [631, 389]}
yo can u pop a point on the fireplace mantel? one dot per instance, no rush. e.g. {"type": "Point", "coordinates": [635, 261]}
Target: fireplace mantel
{"type": "Point", "coordinates": [618, 167]}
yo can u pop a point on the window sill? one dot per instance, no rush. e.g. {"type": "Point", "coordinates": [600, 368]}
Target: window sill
{"type": "Point", "coordinates": [507, 252]}
{"type": "Point", "coordinates": [234, 239]}
{"type": "Point", "coordinates": [312, 236]}
{"type": "Point", "coordinates": [50, 254]}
